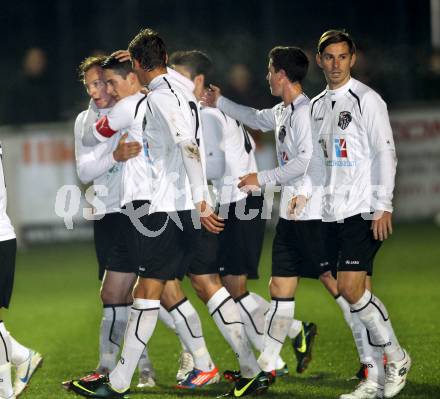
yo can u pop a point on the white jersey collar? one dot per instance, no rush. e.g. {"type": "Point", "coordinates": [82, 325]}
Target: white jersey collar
{"type": "Point", "coordinates": [181, 79]}
{"type": "Point", "coordinates": [157, 81]}
{"type": "Point", "coordinates": [340, 91]}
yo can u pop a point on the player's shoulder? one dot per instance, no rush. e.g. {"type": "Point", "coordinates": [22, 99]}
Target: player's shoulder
{"type": "Point", "coordinates": [213, 113]}
{"type": "Point", "coordinates": [317, 99]}
{"type": "Point", "coordinates": [79, 121]}
{"type": "Point", "coordinates": [80, 117]}
{"type": "Point", "coordinates": [364, 95]}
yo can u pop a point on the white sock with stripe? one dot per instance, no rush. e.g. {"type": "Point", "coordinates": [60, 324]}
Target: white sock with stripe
{"type": "Point", "coordinates": [226, 315]}
{"type": "Point", "coordinates": [278, 322]}
{"type": "Point", "coordinates": [189, 329]}
{"type": "Point", "coordinates": [140, 327]}
{"type": "Point", "coordinates": [374, 316]}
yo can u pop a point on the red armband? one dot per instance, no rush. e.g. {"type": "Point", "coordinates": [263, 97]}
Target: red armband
{"type": "Point", "coordinates": [103, 127]}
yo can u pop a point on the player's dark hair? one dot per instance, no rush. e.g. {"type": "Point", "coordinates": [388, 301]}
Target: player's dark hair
{"type": "Point", "coordinates": [121, 68]}
{"type": "Point", "coordinates": [335, 36]}
{"type": "Point", "coordinates": [292, 60]}
{"type": "Point", "coordinates": [148, 49]}
{"type": "Point", "coordinates": [88, 63]}
{"type": "Point", "coordinates": [197, 63]}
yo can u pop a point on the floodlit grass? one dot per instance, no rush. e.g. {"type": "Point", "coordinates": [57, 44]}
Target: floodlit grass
{"type": "Point", "coordinates": [56, 310]}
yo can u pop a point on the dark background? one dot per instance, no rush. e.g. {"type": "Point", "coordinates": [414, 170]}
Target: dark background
{"type": "Point", "coordinates": [393, 38]}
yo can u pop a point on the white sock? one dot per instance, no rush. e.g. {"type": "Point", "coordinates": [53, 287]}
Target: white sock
{"type": "Point", "coordinates": [253, 309]}
{"type": "Point", "coordinates": [189, 329]}
{"type": "Point", "coordinates": [5, 365]}
{"type": "Point", "coordinates": [295, 328]}
{"type": "Point", "coordinates": [345, 307]}
{"type": "Point", "coordinates": [113, 325]}
{"type": "Point", "coordinates": [226, 315]}
{"type": "Point", "coordinates": [6, 390]}
{"type": "Point", "coordinates": [140, 327]}
{"type": "Point", "coordinates": [374, 316]}
{"type": "Point", "coordinates": [167, 319]}
{"type": "Point", "coordinates": [19, 353]}
{"type": "Point", "coordinates": [253, 318]}
{"type": "Point", "coordinates": [278, 322]}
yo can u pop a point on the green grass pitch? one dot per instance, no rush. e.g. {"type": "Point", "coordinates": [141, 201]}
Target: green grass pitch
{"type": "Point", "coordinates": [56, 310]}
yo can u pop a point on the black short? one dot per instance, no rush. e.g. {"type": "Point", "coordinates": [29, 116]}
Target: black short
{"type": "Point", "coordinates": [122, 255]}
{"type": "Point", "coordinates": [299, 249]}
{"type": "Point", "coordinates": [353, 244]}
{"type": "Point", "coordinates": [241, 241]}
{"type": "Point", "coordinates": [106, 232]}
{"type": "Point", "coordinates": [167, 253]}
{"type": "Point", "coordinates": [8, 249]}
{"type": "Point", "coordinates": [205, 259]}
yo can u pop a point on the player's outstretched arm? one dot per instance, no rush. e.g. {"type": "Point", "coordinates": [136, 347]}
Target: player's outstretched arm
{"type": "Point", "coordinates": [193, 167]}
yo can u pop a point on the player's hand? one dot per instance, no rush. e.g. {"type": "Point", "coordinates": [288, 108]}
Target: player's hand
{"type": "Point", "coordinates": [382, 225]}
{"type": "Point", "coordinates": [210, 96]}
{"type": "Point", "coordinates": [125, 151]}
{"type": "Point", "coordinates": [122, 55]}
{"type": "Point", "coordinates": [295, 206]}
{"type": "Point", "coordinates": [249, 183]}
{"type": "Point", "coordinates": [210, 221]}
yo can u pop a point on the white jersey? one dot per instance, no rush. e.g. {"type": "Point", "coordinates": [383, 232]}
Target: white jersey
{"type": "Point", "coordinates": [230, 153]}
{"type": "Point", "coordinates": [96, 164]}
{"type": "Point", "coordinates": [350, 127]}
{"type": "Point", "coordinates": [6, 230]}
{"type": "Point", "coordinates": [291, 125]}
{"type": "Point", "coordinates": [128, 116]}
{"type": "Point", "coordinates": [171, 119]}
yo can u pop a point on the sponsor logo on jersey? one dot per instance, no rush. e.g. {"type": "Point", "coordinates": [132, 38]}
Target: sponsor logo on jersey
{"type": "Point", "coordinates": [344, 119]}
{"type": "Point", "coordinates": [340, 148]}
{"type": "Point", "coordinates": [282, 134]}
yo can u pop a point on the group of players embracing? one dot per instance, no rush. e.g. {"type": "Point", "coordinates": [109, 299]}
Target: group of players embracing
{"type": "Point", "coordinates": [156, 132]}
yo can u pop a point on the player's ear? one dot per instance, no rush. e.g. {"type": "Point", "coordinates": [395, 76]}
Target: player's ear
{"type": "Point", "coordinates": [318, 59]}
{"type": "Point", "coordinates": [199, 80]}
{"type": "Point", "coordinates": [353, 60]}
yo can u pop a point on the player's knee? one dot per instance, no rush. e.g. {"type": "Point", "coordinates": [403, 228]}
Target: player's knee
{"type": "Point", "coordinates": [350, 293]}
{"type": "Point", "coordinates": [107, 296]}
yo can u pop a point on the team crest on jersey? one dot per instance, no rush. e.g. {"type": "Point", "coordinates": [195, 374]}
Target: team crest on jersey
{"type": "Point", "coordinates": [344, 119]}
{"type": "Point", "coordinates": [282, 134]}
{"type": "Point", "coordinates": [341, 148]}
{"type": "Point", "coordinates": [323, 144]}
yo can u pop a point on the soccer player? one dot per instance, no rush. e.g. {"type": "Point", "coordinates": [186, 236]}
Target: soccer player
{"type": "Point", "coordinates": [204, 270]}
{"type": "Point", "coordinates": [298, 247]}
{"type": "Point", "coordinates": [166, 236]}
{"type": "Point", "coordinates": [24, 360]}
{"type": "Point", "coordinates": [102, 165]}
{"type": "Point", "coordinates": [230, 153]}
{"type": "Point", "coordinates": [354, 159]}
